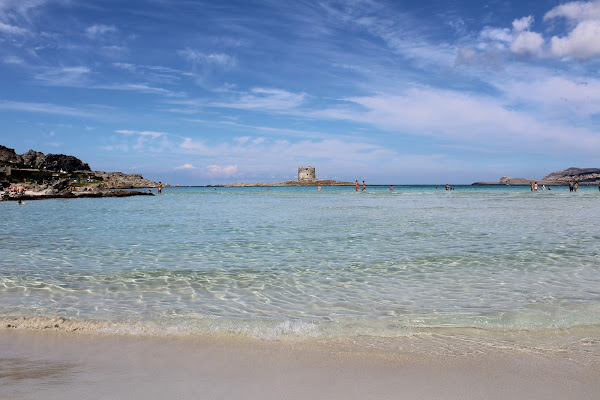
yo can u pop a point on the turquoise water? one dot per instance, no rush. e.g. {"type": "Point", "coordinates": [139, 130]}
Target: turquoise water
{"type": "Point", "coordinates": [295, 261]}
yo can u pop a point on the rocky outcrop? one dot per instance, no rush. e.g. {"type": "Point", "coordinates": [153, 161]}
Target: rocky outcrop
{"type": "Point", "coordinates": [33, 159]}
{"type": "Point", "coordinates": [119, 180]}
{"type": "Point", "coordinates": [583, 176]}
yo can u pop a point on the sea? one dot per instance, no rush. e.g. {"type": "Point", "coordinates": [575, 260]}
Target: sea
{"type": "Point", "coordinates": [500, 263]}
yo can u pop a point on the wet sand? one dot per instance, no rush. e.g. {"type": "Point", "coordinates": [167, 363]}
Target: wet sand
{"type": "Point", "coordinates": [59, 365]}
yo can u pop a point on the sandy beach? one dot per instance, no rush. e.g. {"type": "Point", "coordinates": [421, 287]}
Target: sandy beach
{"type": "Point", "coordinates": [59, 365]}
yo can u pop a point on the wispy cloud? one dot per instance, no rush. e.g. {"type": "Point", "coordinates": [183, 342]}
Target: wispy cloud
{"type": "Point", "coordinates": [198, 58]}
{"type": "Point", "coordinates": [265, 99]}
{"type": "Point", "coordinates": [139, 87]}
{"type": "Point", "coordinates": [218, 171]}
{"type": "Point", "coordinates": [151, 134]}
{"type": "Point", "coordinates": [46, 108]}
{"type": "Point", "coordinates": [11, 29]}
{"type": "Point", "coordinates": [150, 141]}
{"type": "Point", "coordinates": [20, 8]}
{"type": "Point", "coordinates": [64, 76]}
{"type": "Point", "coordinates": [466, 118]}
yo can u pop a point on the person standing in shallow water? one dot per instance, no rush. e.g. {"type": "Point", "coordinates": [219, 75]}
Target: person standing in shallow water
{"type": "Point", "coordinates": [357, 185]}
{"type": "Point", "coordinates": [364, 187]}
{"type": "Point", "coordinates": [159, 187]}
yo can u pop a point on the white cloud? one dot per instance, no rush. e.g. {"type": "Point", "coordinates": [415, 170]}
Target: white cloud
{"type": "Point", "coordinates": [186, 166]}
{"type": "Point", "coordinates": [583, 42]}
{"type": "Point", "coordinates": [576, 11]}
{"type": "Point", "coordinates": [503, 35]}
{"type": "Point", "coordinates": [522, 24]}
{"type": "Point", "coordinates": [99, 30]}
{"type": "Point", "coordinates": [527, 43]}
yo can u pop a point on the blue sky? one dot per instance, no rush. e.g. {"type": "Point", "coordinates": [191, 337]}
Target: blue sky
{"type": "Point", "coordinates": [205, 92]}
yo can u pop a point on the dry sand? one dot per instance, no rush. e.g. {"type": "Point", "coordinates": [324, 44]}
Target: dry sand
{"type": "Point", "coordinates": [59, 365]}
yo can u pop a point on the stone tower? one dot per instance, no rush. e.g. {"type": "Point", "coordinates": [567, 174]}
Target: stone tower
{"type": "Point", "coordinates": [306, 173]}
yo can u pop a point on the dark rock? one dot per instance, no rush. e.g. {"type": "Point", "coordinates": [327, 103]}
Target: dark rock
{"type": "Point", "coordinates": [57, 162]}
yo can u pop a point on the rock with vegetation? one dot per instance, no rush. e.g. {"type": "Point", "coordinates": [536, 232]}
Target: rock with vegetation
{"type": "Point", "coordinates": [37, 160]}
{"type": "Point", "coordinates": [61, 162]}
{"type": "Point", "coordinates": [56, 167]}
{"type": "Point", "coordinates": [581, 175]}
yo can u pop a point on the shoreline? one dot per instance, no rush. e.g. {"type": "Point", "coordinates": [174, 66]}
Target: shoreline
{"type": "Point", "coordinates": [75, 195]}
{"type": "Point", "coordinates": [62, 365]}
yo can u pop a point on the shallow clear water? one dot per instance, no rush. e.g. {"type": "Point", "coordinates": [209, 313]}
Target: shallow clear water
{"type": "Point", "coordinates": [301, 262]}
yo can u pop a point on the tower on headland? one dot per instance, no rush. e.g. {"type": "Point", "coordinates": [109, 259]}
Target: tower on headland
{"type": "Point", "coordinates": [306, 174]}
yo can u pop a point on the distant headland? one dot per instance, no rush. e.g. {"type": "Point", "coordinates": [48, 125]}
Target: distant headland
{"type": "Point", "coordinates": [583, 176]}
{"type": "Point", "coordinates": [41, 176]}
{"type": "Point", "coordinates": [306, 177]}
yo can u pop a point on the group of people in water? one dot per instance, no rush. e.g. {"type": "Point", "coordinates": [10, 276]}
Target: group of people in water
{"type": "Point", "coordinates": [364, 186]}
{"type": "Point", "coordinates": [535, 187]}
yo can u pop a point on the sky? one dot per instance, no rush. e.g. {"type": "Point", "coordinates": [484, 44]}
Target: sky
{"type": "Point", "coordinates": [195, 92]}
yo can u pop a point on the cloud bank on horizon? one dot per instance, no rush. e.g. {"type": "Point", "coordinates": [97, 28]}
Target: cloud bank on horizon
{"type": "Point", "coordinates": [247, 91]}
